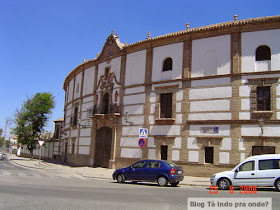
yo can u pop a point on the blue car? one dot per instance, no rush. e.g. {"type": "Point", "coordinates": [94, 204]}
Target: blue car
{"type": "Point", "coordinates": [160, 171]}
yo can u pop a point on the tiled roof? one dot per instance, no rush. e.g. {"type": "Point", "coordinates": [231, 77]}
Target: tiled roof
{"type": "Point", "coordinates": [214, 26]}
{"type": "Point", "coordinates": [59, 120]}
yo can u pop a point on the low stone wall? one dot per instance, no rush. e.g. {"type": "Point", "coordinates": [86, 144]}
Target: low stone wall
{"type": "Point", "coordinates": [206, 170]}
{"type": "Point", "coordinates": [77, 160]}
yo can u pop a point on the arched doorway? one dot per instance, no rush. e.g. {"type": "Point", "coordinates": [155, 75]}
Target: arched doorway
{"type": "Point", "coordinates": [103, 147]}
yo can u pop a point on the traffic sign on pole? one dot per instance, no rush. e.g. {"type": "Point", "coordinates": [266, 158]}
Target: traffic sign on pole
{"type": "Point", "coordinates": [41, 142]}
{"type": "Point", "coordinates": [143, 133]}
{"type": "Point", "coordinates": [142, 142]}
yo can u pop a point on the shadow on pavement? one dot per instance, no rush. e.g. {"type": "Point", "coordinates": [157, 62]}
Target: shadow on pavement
{"type": "Point", "coordinates": [144, 184]}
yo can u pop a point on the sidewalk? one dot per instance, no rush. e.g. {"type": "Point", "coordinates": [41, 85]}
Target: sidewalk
{"type": "Point", "coordinates": [89, 172]}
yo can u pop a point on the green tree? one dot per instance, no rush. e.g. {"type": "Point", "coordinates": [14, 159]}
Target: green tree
{"type": "Point", "coordinates": [1, 138]}
{"type": "Point", "coordinates": [31, 119]}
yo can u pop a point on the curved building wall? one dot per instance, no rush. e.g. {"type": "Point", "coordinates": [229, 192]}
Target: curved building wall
{"type": "Point", "coordinates": [199, 92]}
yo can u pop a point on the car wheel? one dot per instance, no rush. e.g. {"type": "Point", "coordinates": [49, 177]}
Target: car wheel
{"type": "Point", "coordinates": [175, 184]}
{"type": "Point", "coordinates": [162, 181]}
{"type": "Point", "coordinates": [120, 178]}
{"type": "Point", "coordinates": [223, 184]}
{"type": "Point", "coordinates": [277, 185]}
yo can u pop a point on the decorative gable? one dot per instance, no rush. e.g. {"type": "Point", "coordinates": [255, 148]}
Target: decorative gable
{"type": "Point", "coordinates": [111, 48]}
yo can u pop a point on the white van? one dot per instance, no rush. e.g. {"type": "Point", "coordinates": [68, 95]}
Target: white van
{"type": "Point", "coordinates": [259, 170]}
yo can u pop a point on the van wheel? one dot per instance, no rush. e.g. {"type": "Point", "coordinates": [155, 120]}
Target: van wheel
{"type": "Point", "coordinates": [277, 185]}
{"type": "Point", "coordinates": [223, 184]}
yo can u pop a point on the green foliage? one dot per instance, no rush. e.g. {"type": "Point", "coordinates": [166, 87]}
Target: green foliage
{"type": "Point", "coordinates": [31, 119]}
{"type": "Point", "coordinates": [1, 138]}
{"type": "Point", "coordinates": [6, 144]}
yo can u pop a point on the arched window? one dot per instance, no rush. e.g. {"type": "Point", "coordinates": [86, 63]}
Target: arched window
{"type": "Point", "coordinates": [263, 53]}
{"type": "Point", "coordinates": [105, 103]}
{"type": "Point", "coordinates": [167, 64]}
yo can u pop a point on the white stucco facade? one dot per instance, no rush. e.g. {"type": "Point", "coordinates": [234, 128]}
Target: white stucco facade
{"type": "Point", "coordinates": [205, 109]}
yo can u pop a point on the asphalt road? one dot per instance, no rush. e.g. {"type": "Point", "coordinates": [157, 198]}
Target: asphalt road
{"type": "Point", "coordinates": [22, 188]}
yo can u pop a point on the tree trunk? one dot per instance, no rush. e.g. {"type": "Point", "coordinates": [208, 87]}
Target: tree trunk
{"type": "Point", "coordinates": [31, 153]}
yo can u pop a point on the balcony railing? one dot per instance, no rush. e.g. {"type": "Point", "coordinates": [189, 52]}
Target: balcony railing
{"type": "Point", "coordinates": [111, 109]}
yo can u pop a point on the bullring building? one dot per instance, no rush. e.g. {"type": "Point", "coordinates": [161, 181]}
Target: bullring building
{"type": "Point", "coordinates": [206, 95]}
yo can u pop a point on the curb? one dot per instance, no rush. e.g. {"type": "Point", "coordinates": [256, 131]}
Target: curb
{"type": "Point", "coordinates": [24, 166]}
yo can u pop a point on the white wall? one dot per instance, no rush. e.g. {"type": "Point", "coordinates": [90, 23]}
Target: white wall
{"type": "Point", "coordinates": [254, 130]}
{"type": "Point", "coordinates": [251, 41]}
{"type": "Point", "coordinates": [89, 78]}
{"type": "Point", "coordinates": [135, 68]}
{"type": "Point", "coordinates": [68, 115]}
{"type": "Point", "coordinates": [78, 86]}
{"type": "Point", "coordinates": [84, 141]}
{"type": "Point", "coordinates": [131, 153]}
{"type": "Point", "coordinates": [84, 150]}
{"type": "Point", "coordinates": [216, 106]}
{"type": "Point", "coordinates": [208, 93]}
{"type": "Point", "coordinates": [130, 130]}
{"type": "Point", "coordinates": [175, 51]}
{"type": "Point", "coordinates": [193, 156]}
{"type": "Point", "coordinates": [211, 56]}
{"type": "Point", "coordinates": [165, 130]}
{"type": "Point", "coordinates": [211, 82]}
{"type": "Point", "coordinates": [192, 143]}
{"type": "Point", "coordinates": [129, 141]}
{"type": "Point", "coordinates": [136, 109]}
{"type": "Point", "coordinates": [210, 116]}
{"type": "Point", "coordinates": [135, 90]}
{"type": "Point", "coordinates": [210, 105]}
{"type": "Point", "coordinates": [70, 90]}
{"type": "Point", "coordinates": [224, 157]}
{"type": "Point", "coordinates": [134, 99]}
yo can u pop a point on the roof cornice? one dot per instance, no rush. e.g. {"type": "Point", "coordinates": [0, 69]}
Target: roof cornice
{"type": "Point", "coordinates": [212, 27]}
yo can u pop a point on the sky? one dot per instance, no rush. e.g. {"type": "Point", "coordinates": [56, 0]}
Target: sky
{"type": "Point", "coordinates": [42, 41]}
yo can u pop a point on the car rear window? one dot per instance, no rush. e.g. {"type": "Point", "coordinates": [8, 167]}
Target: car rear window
{"type": "Point", "coordinates": [171, 164]}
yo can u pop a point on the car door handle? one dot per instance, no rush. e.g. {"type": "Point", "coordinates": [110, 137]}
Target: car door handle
{"type": "Point", "coordinates": [252, 174]}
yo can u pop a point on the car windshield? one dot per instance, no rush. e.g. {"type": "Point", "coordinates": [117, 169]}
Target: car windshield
{"type": "Point", "coordinates": [171, 164]}
{"type": "Point", "coordinates": [139, 164]}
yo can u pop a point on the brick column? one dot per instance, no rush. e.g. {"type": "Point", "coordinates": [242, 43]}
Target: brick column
{"type": "Point", "coordinates": [148, 89]}
{"type": "Point", "coordinates": [235, 100]}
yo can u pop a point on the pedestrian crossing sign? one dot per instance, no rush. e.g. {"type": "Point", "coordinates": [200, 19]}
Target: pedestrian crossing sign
{"type": "Point", "coordinates": [143, 133]}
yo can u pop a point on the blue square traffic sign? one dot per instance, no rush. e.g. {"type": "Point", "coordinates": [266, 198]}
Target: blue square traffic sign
{"type": "Point", "coordinates": [143, 133]}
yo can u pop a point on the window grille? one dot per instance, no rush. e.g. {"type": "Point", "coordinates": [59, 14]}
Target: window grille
{"type": "Point", "coordinates": [166, 105]}
{"type": "Point", "coordinates": [263, 98]}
